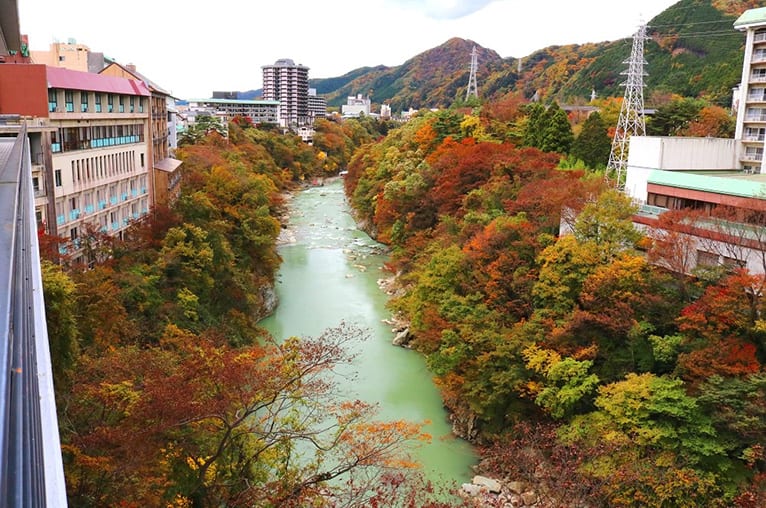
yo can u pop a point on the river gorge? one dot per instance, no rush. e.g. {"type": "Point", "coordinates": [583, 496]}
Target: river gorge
{"type": "Point", "coordinates": [329, 274]}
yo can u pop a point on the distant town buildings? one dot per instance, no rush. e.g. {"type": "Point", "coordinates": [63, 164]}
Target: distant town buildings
{"type": "Point", "coordinates": [356, 106]}
{"type": "Point", "coordinates": [317, 105]}
{"type": "Point", "coordinates": [288, 82]}
{"type": "Point", "coordinates": [259, 111]}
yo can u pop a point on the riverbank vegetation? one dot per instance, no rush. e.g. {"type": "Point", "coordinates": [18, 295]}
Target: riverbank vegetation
{"type": "Point", "coordinates": [168, 391]}
{"type": "Point", "coordinates": [578, 364]}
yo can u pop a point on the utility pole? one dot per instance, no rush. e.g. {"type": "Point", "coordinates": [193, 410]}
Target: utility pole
{"type": "Point", "coordinates": [473, 89]}
{"type": "Point", "coordinates": [631, 121]}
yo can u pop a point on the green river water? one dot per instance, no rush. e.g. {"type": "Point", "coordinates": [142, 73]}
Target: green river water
{"type": "Point", "coordinates": [329, 274]}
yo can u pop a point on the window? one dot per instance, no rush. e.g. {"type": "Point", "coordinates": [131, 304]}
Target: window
{"type": "Point", "coordinates": [83, 102]}
{"type": "Point", "coordinates": [142, 160]}
{"type": "Point", "coordinates": [706, 258]}
{"type": "Point", "coordinates": [109, 103]}
{"type": "Point", "coordinates": [97, 102]}
{"type": "Point", "coordinates": [132, 104]}
{"type": "Point", "coordinates": [36, 184]}
{"type": "Point", "coordinates": [69, 100]}
{"type": "Point", "coordinates": [140, 104]}
{"type": "Point", "coordinates": [73, 234]}
{"type": "Point", "coordinates": [57, 177]}
{"type": "Point", "coordinates": [122, 104]}
{"type": "Point", "coordinates": [52, 100]}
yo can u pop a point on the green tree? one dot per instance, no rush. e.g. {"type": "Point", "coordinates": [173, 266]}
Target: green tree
{"type": "Point", "coordinates": [674, 117]}
{"type": "Point", "coordinates": [61, 317]}
{"type": "Point", "coordinates": [557, 133]}
{"type": "Point", "coordinates": [593, 145]}
{"type": "Point", "coordinates": [565, 381]}
{"type": "Point", "coordinates": [607, 224]}
{"type": "Point", "coordinates": [535, 125]}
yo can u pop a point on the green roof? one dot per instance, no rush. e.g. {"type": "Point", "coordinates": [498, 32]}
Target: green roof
{"type": "Point", "coordinates": [733, 184]}
{"type": "Point", "coordinates": [750, 17]}
{"type": "Point", "coordinates": [233, 101]}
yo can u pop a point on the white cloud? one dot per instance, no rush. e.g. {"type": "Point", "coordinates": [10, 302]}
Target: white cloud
{"type": "Point", "coordinates": [445, 9]}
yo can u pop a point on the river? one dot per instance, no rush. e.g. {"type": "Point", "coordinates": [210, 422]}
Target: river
{"type": "Point", "coordinates": [329, 274]}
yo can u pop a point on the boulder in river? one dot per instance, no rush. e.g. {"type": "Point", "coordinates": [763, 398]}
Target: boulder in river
{"type": "Point", "coordinates": [402, 338]}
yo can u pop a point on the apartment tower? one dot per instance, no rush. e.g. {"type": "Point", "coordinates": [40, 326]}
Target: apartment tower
{"type": "Point", "coordinates": [288, 83]}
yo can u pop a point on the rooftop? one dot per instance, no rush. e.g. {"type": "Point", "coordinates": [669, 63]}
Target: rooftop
{"type": "Point", "coordinates": [731, 183]}
{"type": "Point", "coordinates": [751, 17]}
{"type": "Point", "coordinates": [76, 80]}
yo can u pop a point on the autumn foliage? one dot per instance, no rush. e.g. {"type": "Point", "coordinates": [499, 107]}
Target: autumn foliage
{"type": "Point", "coordinates": [533, 299]}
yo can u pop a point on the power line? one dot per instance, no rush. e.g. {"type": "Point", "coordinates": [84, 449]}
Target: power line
{"type": "Point", "coordinates": [631, 121]}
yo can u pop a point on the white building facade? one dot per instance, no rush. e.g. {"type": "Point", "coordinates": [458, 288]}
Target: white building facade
{"type": "Point", "coordinates": [288, 83]}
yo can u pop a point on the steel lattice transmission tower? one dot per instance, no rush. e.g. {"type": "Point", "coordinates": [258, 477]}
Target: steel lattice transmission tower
{"type": "Point", "coordinates": [631, 121]}
{"type": "Point", "coordinates": [473, 88]}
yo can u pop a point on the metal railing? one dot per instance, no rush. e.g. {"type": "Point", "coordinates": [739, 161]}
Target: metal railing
{"type": "Point", "coordinates": [31, 470]}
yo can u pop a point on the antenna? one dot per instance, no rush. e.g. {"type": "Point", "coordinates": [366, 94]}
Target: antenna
{"type": "Point", "coordinates": [631, 121]}
{"type": "Point", "coordinates": [473, 89]}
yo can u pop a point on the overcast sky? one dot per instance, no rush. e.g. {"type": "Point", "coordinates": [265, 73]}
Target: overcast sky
{"type": "Point", "coordinates": [193, 48]}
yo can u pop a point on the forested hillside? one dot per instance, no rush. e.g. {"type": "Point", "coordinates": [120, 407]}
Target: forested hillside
{"type": "Point", "coordinates": [170, 394]}
{"type": "Point", "coordinates": [692, 51]}
{"type": "Point", "coordinates": [582, 366]}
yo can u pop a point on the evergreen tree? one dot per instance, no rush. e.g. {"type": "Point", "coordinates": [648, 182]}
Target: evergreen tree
{"type": "Point", "coordinates": [557, 132]}
{"type": "Point", "coordinates": [593, 145]}
{"type": "Point", "coordinates": [533, 134]}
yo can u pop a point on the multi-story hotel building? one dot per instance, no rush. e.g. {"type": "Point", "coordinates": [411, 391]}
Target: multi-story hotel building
{"type": "Point", "coordinates": [317, 105]}
{"type": "Point", "coordinates": [92, 159]}
{"type": "Point", "coordinates": [260, 112]}
{"type": "Point", "coordinates": [288, 82]}
{"type": "Point", "coordinates": [751, 113]}
{"type": "Point", "coordinates": [166, 176]}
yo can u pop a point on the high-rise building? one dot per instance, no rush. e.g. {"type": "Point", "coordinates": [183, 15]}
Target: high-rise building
{"type": "Point", "coordinates": [751, 112]}
{"type": "Point", "coordinates": [288, 82]}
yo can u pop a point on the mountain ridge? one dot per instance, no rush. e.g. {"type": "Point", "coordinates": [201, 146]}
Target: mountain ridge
{"type": "Point", "coordinates": [692, 51]}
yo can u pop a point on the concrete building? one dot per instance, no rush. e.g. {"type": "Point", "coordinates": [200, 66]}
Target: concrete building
{"type": "Point", "coordinates": [70, 55]}
{"type": "Point", "coordinates": [92, 159]}
{"type": "Point", "coordinates": [288, 82]}
{"type": "Point", "coordinates": [356, 106]}
{"type": "Point", "coordinates": [751, 112]}
{"type": "Point", "coordinates": [317, 105]}
{"type": "Point", "coordinates": [226, 109]}
{"type": "Point", "coordinates": [722, 180]}
{"type": "Point", "coordinates": [166, 176]}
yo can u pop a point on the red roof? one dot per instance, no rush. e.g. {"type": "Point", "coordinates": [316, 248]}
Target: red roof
{"type": "Point", "coordinates": [76, 80]}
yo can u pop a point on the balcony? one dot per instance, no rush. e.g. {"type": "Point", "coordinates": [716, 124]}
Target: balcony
{"type": "Point", "coordinates": [755, 118]}
{"type": "Point", "coordinates": [752, 157]}
{"type": "Point", "coordinates": [753, 138]}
